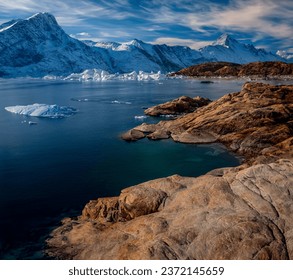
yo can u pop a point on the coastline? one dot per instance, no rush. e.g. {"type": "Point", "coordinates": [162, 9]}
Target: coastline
{"type": "Point", "coordinates": [229, 213]}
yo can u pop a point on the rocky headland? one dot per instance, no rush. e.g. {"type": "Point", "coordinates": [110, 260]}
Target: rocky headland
{"type": "Point", "coordinates": [243, 212]}
{"type": "Point", "coordinates": [257, 70]}
{"type": "Point", "coordinates": [181, 105]}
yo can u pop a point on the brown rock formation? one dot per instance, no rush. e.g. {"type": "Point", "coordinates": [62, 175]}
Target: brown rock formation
{"type": "Point", "coordinates": [181, 105]}
{"type": "Point", "coordinates": [229, 213]}
{"type": "Point", "coordinates": [226, 69]}
{"type": "Point", "coordinates": [243, 214]}
{"type": "Point", "coordinates": [252, 122]}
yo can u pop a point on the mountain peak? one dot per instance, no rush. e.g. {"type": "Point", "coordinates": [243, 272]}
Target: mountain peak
{"type": "Point", "coordinates": [43, 17]}
{"type": "Point", "coordinates": [136, 43]}
{"type": "Point", "coordinates": [225, 40]}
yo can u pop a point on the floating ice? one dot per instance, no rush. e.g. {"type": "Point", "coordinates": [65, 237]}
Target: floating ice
{"type": "Point", "coordinates": [42, 110]}
{"type": "Point", "coordinates": [140, 117]}
{"type": "Point", "coordinates": [101, 75]}
{"type": "Point", "coordinates": [120, 102]}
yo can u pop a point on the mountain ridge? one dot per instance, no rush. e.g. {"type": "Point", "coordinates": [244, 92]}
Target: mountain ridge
{"type": "Point", "coordinates": [38, 46]}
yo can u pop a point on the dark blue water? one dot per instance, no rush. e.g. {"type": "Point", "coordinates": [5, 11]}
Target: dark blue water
{"type": "Point", "coordinates": [52, 169]}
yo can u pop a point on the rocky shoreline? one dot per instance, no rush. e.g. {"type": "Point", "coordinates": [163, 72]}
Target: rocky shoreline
{"type": "Point", "coordinates": [230, 213]}
{"type": "Point", "coordinates": [254, 70]}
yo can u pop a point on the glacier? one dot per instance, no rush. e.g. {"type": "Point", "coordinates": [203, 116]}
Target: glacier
{"type": "Point", "coordinates": [101, 75]}
{"type": "Point", "coordinates": [42, 110]}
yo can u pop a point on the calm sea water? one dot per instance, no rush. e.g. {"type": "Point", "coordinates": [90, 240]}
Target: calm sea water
{"type": "Point", "coordinates": [52, 169]}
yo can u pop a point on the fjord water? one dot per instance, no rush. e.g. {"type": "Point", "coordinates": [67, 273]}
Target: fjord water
{"type": "Point", "coordinates": [52, 169]}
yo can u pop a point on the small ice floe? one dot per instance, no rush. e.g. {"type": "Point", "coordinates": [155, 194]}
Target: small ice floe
{"type": "Point", "coordinates": [42, 110]}
{"type": "Point", "coordinates": [140, 117]}
{"type": "Point", "coordinates": [120, 102]}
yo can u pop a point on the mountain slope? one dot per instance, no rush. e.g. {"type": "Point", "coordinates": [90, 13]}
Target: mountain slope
{"type": "Point", "coordinates": [137, 55]}
{"type": "Point", "coordinates": [38, 46]}
{"type": "Point", "coordinates": [226, 48]}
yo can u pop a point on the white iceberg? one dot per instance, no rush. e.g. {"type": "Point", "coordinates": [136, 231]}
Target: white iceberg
{"type": "Point", "coordinates": [101, 75]}
{"type": "Point", "coordinates": [42, 110]}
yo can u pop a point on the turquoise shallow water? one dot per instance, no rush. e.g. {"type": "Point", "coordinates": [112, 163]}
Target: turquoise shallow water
{"type": "Point", "coordinates": [51, 169]}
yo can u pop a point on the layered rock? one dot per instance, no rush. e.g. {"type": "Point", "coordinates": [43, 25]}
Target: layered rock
{"type": "Point", "coordinates": [229, 213]}
{"type": "Point", "coordinates": [181, 105]}
{"type": "Point", "coordinates": [269, 69]}
{"type": "Point", "coordinates": [252, 122]}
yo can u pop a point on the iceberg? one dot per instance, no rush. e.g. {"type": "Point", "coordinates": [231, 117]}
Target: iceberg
{"type": "Point", "coordinates": [99, 75]}
{"type": "Point", "coordinates": [42, 110]}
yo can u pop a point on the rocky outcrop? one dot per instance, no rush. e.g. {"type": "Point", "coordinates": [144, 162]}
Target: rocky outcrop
{"type": "Point", "coordinates": [181, 105]}
{"type": "Point", "coordinates": [253, 122]}
{"type": "Point", "coordinates": [243, 212]}
{"type": "Point", "coordinates": [268, 69]}
{"type": "Point", "coordinates": [231, 214]}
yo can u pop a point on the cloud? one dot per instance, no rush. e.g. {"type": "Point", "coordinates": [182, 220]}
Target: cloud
{"type": "Point", "coordinates": [81, 35]}
{"type": "Point", "coordinates": [251, 16]}
{"type": "Point", "coordinates": [174, 21]}
{"type": "Point", "coordinates": [66, 12]}
{"type": "Point", "coordinates": [258, 17]}
{"type": "Point", "coordinates": [193, 44]}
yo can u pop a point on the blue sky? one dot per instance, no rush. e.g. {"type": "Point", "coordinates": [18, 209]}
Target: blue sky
{"type": "Point", "coordinates": [265, 23]}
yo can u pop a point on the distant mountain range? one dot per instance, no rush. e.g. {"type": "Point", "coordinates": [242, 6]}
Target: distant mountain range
{"type": "Point", "coordinates": [38, 46]}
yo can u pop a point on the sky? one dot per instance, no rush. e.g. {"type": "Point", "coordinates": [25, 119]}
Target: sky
{"type": "Point", "coordinates": [265, 23]}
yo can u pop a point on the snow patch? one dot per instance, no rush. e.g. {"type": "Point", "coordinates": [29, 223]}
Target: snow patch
{"type": "Point", "coordinates": [42, 110]}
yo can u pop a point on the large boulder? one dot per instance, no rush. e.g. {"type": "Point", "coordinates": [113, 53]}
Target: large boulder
{"type": "Point", "coordinates": [241, 214]}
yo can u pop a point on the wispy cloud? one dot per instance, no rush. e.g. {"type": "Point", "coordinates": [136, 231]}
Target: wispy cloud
{"type": "Point", "coordinates": [268, 17]}
{"type": "Point", "coordinates": [67, 12]}
{"type": "Point", "coordinates": [173, 21]}
{"type": "Point", "coordinates": [181, 42]}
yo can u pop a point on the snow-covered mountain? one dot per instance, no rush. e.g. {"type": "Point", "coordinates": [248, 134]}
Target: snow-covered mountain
{"type": "Point", "coordinates": [137, 56]}
{"type": "Point", "coordinates": [227, 49]}
{"type": "Point", "coordinates": [38, 46]}
{"type": "Point", "coordinates": [286, 55]}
